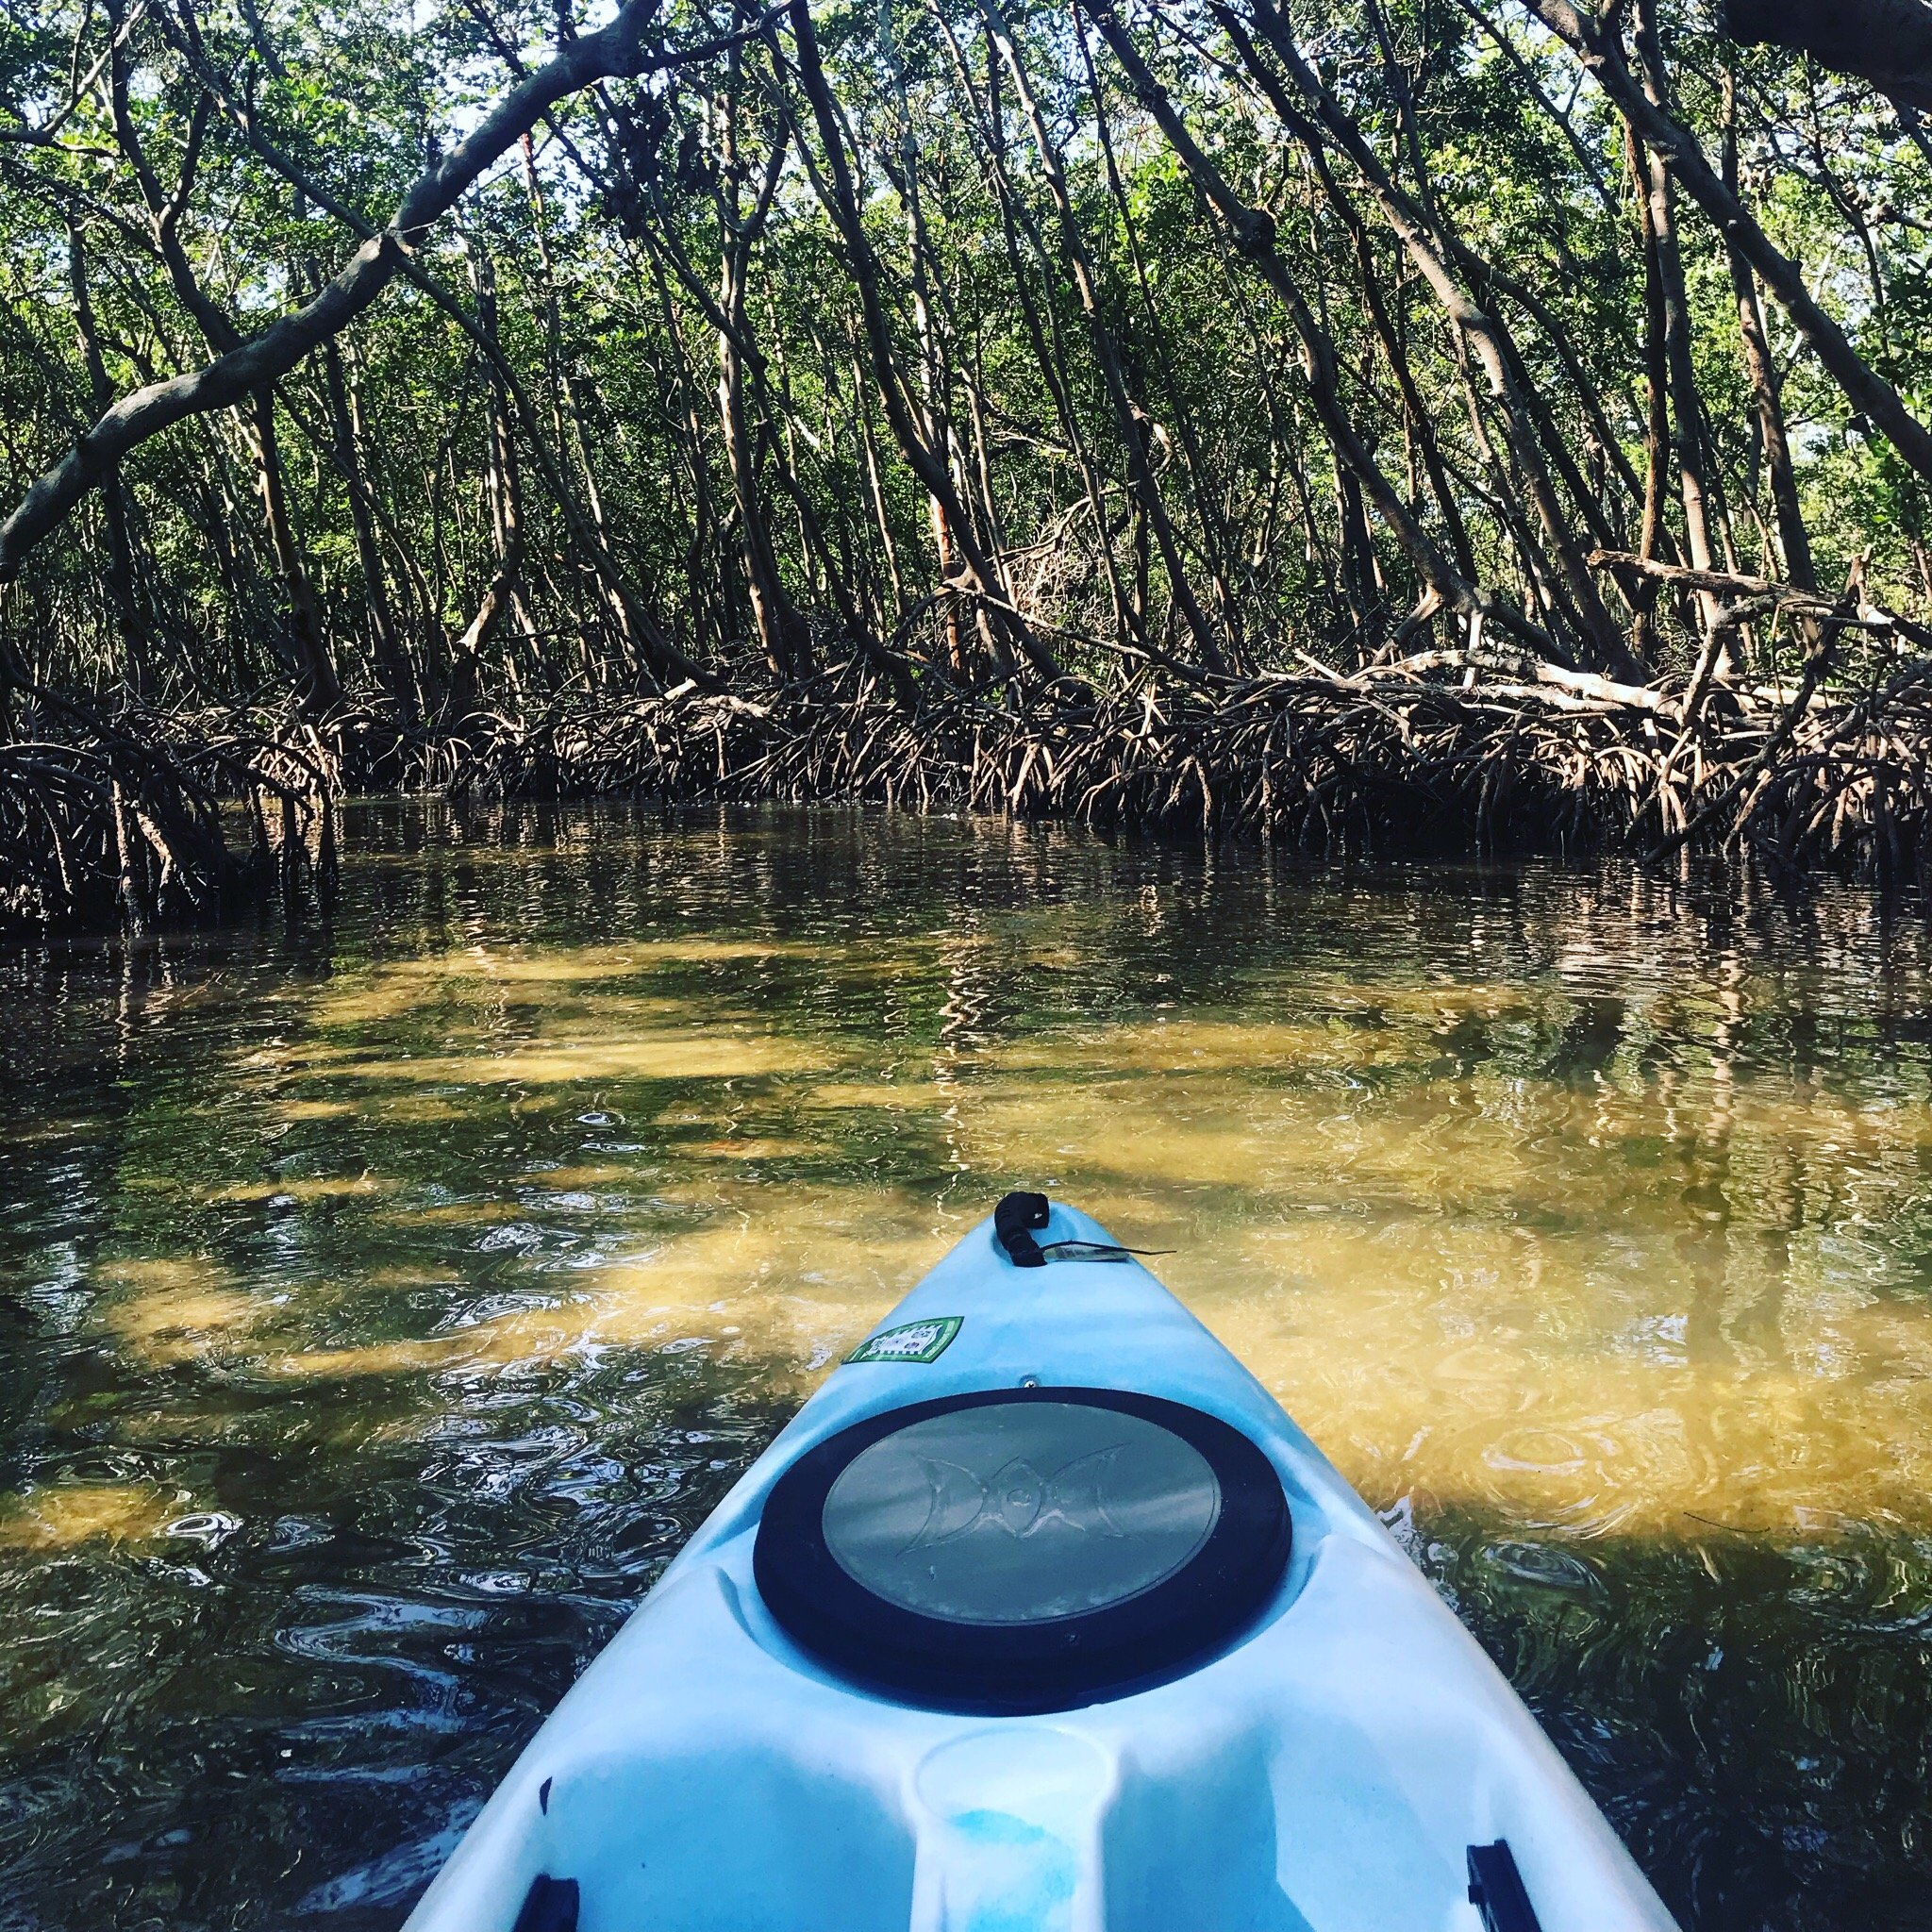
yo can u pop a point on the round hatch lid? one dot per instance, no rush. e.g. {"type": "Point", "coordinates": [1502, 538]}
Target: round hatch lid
{"type": "Point", "coordinates": [1023, 1550]}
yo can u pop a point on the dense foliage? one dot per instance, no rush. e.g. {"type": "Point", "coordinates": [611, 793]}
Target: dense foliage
{"type": "Point", "coordinates": [646, 334]}
{"type": "Point", "coordinates": [972, 349]}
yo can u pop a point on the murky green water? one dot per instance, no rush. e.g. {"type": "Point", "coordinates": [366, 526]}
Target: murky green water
{"type": "Point", "coordinates": [379, 1310]}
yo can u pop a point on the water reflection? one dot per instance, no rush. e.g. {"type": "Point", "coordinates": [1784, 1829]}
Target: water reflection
{"type": "Point", "coordinates": [382, 1307]}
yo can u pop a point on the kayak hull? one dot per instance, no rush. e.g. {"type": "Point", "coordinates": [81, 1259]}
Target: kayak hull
{"type": "Point", "coordinates": [1329, 1767]}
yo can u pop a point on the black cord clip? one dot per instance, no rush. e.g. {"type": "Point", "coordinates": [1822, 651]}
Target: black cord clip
{"type": "Point", "coordinates": [1013, 1221]}
{"type": "Point", "coordinates": [549, 1906]}
{"type": "Point", "coordinates": [1495, 1890]}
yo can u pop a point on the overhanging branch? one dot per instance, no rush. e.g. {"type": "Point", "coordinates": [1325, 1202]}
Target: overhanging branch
{"type": "Point", "coordinates": [613, 51]}
{"type": "Point", "coordinates": [1887, 42]}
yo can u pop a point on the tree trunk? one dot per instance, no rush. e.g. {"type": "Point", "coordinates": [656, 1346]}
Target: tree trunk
{"type": "Point", "coordinates": [392, 660]}
{"type": "Point", "coordinates": [1686, 433]}
{"type": "Point", "coordinates": [1254, 235]}
{"type": "Point", "coordinates": [1603, 55]}
{"type": "Point", "coordinates": [842, 203]}
{"type": "Point", "coordinates": [1042, 320]}
{"type": "Point", "coordinates": [1761, 374]}
{"type": "Point", "coordinates": [1129, 417]}
{"type": "Point", "coordinates": [780, 629]}
{"type": "Point", "coordinates": [1217, 539]}
{"type": "Point", "coordinates": [1416, 228]}
{"type": "Point", "coordinates": [317, 688]}
{"type": "Point", "coordinates": [136, 644]}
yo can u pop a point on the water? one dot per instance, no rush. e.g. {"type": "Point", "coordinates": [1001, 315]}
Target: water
{"type": "Point", "coordinates": [382, 1306]}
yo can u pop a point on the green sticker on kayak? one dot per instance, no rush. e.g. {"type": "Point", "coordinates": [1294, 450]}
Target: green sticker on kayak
{"type": "Point", "coordinates": [913, 1341]}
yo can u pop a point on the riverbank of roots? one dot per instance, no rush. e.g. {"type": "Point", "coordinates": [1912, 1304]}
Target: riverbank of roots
{"type": "Point", "coordinates": [1438, 753]}
{"type": "Point", "coordinates": [154, 822]}
{"type": "Point", "coordinates": [146, 823]}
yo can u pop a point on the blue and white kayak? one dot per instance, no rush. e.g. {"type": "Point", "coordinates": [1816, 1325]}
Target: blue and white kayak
{"type": "Point", "coordinates": [1042, 1616]}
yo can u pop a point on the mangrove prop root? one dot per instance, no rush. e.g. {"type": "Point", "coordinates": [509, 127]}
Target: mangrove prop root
{"type": "Point", "coordinates": [1436, 753]}
{"type": "Point", "coordinates": [167, 821]}
{"type": "Point", "coordinates": [156, 824]}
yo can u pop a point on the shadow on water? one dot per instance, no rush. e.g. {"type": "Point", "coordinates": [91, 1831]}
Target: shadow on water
{"type": "Point", "coordinates": [382, 1309]}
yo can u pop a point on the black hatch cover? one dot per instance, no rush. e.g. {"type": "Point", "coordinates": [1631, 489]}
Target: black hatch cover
{"type": "Point", "coordinates": [1023, 1550]}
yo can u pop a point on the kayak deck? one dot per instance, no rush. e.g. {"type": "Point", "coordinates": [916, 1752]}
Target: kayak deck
{"type": "Point", "coordinates": [1330, 1768]}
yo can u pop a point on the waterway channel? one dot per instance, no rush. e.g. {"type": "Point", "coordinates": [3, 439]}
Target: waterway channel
{"type": "Point", "coordinates": [383, 1301]}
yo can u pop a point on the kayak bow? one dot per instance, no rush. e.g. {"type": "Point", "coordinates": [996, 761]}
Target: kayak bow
{"type": "Point", "coordinates": [1040, 1616]}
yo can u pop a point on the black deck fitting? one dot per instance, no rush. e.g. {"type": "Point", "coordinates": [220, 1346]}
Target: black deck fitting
{"type": "Point", "coordinates": [1495, 1890]}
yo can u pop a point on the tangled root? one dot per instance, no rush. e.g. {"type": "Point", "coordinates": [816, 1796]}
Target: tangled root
{"type": "Point", "coordinates": [1436, 754]}
{"type": "Point", "coordinates": [130, 827]}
